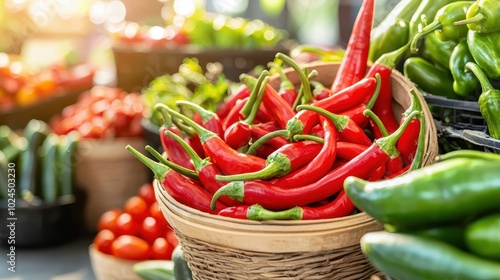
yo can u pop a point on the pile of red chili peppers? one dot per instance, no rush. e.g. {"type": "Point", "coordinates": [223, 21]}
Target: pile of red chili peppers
{"type": "Point", "coordinates": [283, 153]}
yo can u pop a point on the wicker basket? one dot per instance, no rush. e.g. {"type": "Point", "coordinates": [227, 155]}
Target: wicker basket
{"type": "Point", "coordinates": [218, 247]}
{"type": "Point", "coordinates": [108, 175]}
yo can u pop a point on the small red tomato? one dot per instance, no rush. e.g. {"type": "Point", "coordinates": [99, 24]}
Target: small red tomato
{"type": "Point", "coordinates": [161, 249]}
{"type": "Point", "coordinates": [171, 238]}
{"type": "Point", "coordinates": [155, 212]}
{"type": "Point", "coordinates": [137, 207]}
{"type": "Point", "coordinates": [147, 192]}
{"type": "Point", "coordinates": [126, 225]}
{"type": "Point", "coordinates": [108, 220]}
{"type": "Point", "coordinates": [150, 230]}
{"type": "Point", "coordinates": [103, 241]}
{"type": "Point", "coordinates": [131, 248]}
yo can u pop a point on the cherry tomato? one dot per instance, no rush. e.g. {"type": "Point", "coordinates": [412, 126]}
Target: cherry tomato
{"type": "Point", "coordinates": [137, 207]}
{"type": "Point", "coordinates": [108, 220]}
{"type": "Point", "coordinates": [126, 225]}
{"type": "Point", "coordinates": [150, 230]}
{"type": "Point", "coordinates": [161, 249]}
{"type": "Point", "coordinates": [156, 213]}
{"type": "Point", "coordinates": [147, 192]}
{"type": "Point", "coordinates": [103, 241]}
{"type": "Point", "coordinates": [131, 248]}
{"type": "Point", "coordinates": [171, 238]}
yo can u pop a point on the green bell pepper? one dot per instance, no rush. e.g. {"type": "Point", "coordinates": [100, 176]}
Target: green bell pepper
{"type": "Point", "coordinates": [427, 8]}
{"type": "Point", "coordinates": [489, 101]}
{"type": "Point", "coordinates": [465, 83]}
{"type": "Point", "coordinates": [485, 48]}
{"type": "Point", "coordinates": [438, 51]}
{"type": "Point", "coordinates": [429, 78]}
{"type": "Point", "coordinates": [483, 16]}
{"type": "Point", "coordinates": [443, 25]}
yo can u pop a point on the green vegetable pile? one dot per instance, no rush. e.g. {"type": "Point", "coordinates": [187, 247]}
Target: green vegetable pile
{"type": "Point", "coordinates": [442, 221]}
{"type": "Point", "coordinates": [192, 83]}
{"type": "Point", "coordinates": [216, 31]}
{"type": "Point", "coordinates": [44, 162]}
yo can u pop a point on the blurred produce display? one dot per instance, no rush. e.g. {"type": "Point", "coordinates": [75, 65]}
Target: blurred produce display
{"type": "Point", "coordinates": [206, 31]}
{"type": "Point", "coordinates": [138, 231]}
{"type": "Point", "coordinates": [191, 83]}
{"type": "Point", "coordinates": [102, 112]}
{"type": "Point", "coordinates": [21, 86]}
{"type": "Point", "coordinates": [44, 162]}
{"type": "Point", "coordinates": [441, 221]}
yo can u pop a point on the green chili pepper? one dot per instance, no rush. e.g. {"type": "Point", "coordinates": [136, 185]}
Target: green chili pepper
{"type": "Point", "coordinates": [438, 51]}
{"type": "Point", "coordinates": [485, 48]}
{"type": "Point", "coordinates": [393, 31]}
{"type": "Point", "coordinates": [465, 83]}
{"type": "Point", "coordinates": [429, 78]}
{"type": "Point", "coordinates": [427, 8]}
{"type": "Point", "coordinates": [448, 191]}
{"type": "Point", "coordinates": [443, 25]}
{"type": "Point", "coordinates": [489, 101]}
{"type": "Point", "coordinates": [483, 16]}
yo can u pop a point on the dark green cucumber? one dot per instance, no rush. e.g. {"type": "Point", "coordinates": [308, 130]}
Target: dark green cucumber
{"type": "Point", "coordinates": [35, 132]}
{"type": "Point", "coordinates": [11, 144]}
{"type": "Point", "coordinates": [155, 270]}
{"type": "Point", "coordinates": [49, 170]}
{"type": "Point", "coordinates": [482, 236]}
{"type": "Point", "coordinates": [181, 268]}
{"type": "Point", "coordinates": [451, 234]}
{"type": "Point", "coordinates": [406, 256]}
{"type": "Point", "coordinates": [66, 161]}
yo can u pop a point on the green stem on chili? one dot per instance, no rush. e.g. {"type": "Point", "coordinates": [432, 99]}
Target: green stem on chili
{"type": "Point", "coordinates": [264, 139]}
{"type": "Point", "coordinates": [369, 113]}
{"type": "Point", "coordinates": [182, 170]}
{"type": "Point", "coordinates": [306, 87]}
{"type": "Point", "coordinates": [245, 111]}
{"type": "Point", "coordinates": [418, 160]}
{"type": "Point", "coordinates": [303, 137]}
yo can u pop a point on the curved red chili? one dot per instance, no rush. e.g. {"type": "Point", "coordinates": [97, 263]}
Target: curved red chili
{"type": "Point", "coordinates": [227, 159]}
{"type": "Point", "coordinates": [182, 189]}
{"type": "Point", "coordinates": [286, 89]}
{"type": "Point", "coordinates": [276, 198]}
{"type": "Point", "coordinates": [354, 63]}
{"type": "Point", "coordinates": [209, 120]}
{"type": "Point", "coordinates": [348, 150]}
{"type": "Point", "coordinates": [241, 93]}
{"type": "Point", "coordinates": [407, 144]}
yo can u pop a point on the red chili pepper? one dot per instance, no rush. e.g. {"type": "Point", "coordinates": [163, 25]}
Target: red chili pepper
{"type": "Point", "coordinates": [260, 130]}
{"type": "Point", "coordinates": [354, 64]}
{"type": "Point", "coordinates": [356, 113]}
{"type": "Point", "coordinates": [280, 111]}
{"type": "Point", "coordinates": [317, 167]}
{"type": "Point", "coordinates": [348, 150]}
{"type": "Point", "coordinates": [284, 160]}
{"type": "Point", "coordinates": [407, 144]}
{"type": "Point", "coordinates": [239, 133]}
{"type": "Point", "coordinates": [205, 170]}
{"type": "Point", "coordinates": [276, 198]}
{"type": "Point", "coordinates": [182, 189]}
{"type": "Point", "coordinates": [394, 164]}
{"type": "Point", "coordinates": [190, 136]}
{"type": "Point", "coordinates": [234, 114]}
{"type": "Point", "coordinates": [304, 121]}
{"type": "Point", "coordinates": [341, 206]}
{"type": "Point", "coordinates": [173, 150]}
{"type": "Point", "coordinates": [348, 130]}
{"type": "Point", "coordinates": [209, 120]}
{"type": "Point", "coordinates": [177, 168]}
{"type": "Point", "coordinates": [400, 172]}
{"type": "Point", "coordinates": [378, 173]}
{"type": "Point", "coordinates": [228, 160]}
{"type": "Point", "coordinates": [383, 106]}
{"type": "Point", "coordinates": [320, 91]}
{"type": "Point", "coordinates": [241, 93]}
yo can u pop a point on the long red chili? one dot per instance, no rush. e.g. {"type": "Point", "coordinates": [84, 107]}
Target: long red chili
{"type": "Point", "coordinates": [341, 206]}
{"type": "Point", "coordinates": [383, 106]}
{"type": "Point", "coordinates": [209, 120]}
{"type": "Point", "coordinates": [317, 167]}
{"type": "Point", "coordinates": [205, 170]}
{"type": "Point", "coordinates": [407, 144]}
{"type": "Point", "coordinates": [348, 151]}
{"type": "Point", "coordinates": [228, 160]}
{"type": "Point", "coordinates": [284, 160]}
{"type": "Point", "coordinates": [352, 96]}
{"type": "Point", "coordinates": [242, 92]}
{"type": "Point", "coordinates": [281, 111]}
{"type": "Point", "coordinates": [286, 89]}
{"type": "Point", "coordinates": [348, 130]}
{"type": "Point", "coordinates": [182, 189]}
{"type": "Point", "coordinates": [276, 198]}
{"type": "Point", "coordinates": [354, 64]}
{"type": "Point", "coordinates": [173, 150]}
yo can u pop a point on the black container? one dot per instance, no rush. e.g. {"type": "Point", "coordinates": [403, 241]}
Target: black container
{"type": "Point", "coordinates": [38, 225]}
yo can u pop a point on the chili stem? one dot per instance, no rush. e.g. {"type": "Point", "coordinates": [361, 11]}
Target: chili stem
{"type": "Point", "coordinates": [245, 111]}
{"type": "Point", "coordinates": [419, 155]}
{"type": "Point", "coordinates": [264, 139]}
{"type": "Point", "coordinates": [378, 122]}
{"type": "Point", "coordinates": [182, 170]}
{"type": "Point", "coordinates": [307, 95]}
{"type": "Point", "coordinates": [260, 94]}
{"type": "Point", "coordinates": [302, 137]}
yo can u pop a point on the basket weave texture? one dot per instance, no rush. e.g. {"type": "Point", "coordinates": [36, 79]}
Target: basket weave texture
{"type": "Point", "coordinates": [217, 247]}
